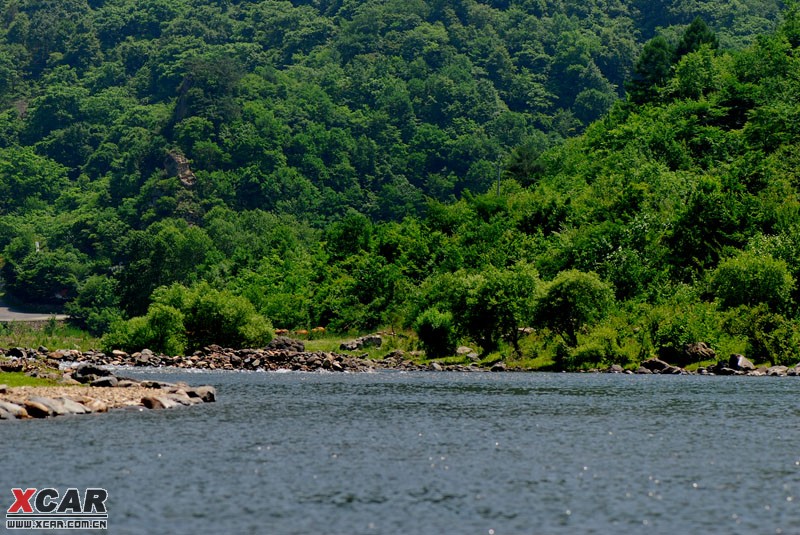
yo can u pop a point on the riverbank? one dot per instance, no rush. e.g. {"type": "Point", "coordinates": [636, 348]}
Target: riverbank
{"type": "Point", "coordinates": [284, 353]}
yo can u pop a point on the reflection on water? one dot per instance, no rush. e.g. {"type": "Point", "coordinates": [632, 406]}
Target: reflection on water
{"type": "Point", "coordinates": [435, 453]}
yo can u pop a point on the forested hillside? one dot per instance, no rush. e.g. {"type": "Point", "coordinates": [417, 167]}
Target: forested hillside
{"type": "Point", "coordinates": [335, 164]}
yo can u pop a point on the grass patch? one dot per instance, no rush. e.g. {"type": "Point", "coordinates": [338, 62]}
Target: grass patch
{"type": "Point", "coordinates": [12, 379]}
{"type": "Point", "coordinates": [331, 343]}
{"type": "Point", "coordinates": [51, 334]}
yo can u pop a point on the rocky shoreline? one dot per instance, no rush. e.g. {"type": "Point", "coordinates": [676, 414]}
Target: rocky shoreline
{"type": "Point", "coordinates": [102, 389]}
{"type": "Point", "coordinates": [88, 389]}
{"type": "Point", "coordinates": [281, 354]}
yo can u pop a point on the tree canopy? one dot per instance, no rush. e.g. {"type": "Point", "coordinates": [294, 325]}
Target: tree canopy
{"type": "Point", "coordinates": [601, 181]}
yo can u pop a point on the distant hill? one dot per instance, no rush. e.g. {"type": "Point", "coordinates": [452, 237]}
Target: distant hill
{"type": "Point", "coordinates": [337, 165]}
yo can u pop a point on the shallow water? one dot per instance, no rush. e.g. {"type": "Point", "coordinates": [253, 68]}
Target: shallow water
{"type": "Point", "coordinates": [434, 453]}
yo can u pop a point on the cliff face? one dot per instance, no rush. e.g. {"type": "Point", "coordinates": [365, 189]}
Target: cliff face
{"type": "Point", "coordinates": [177, 165]}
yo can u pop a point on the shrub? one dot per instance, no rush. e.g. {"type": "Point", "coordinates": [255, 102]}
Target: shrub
{"type": "Point", "coordinates": [216, 317]}
{"type": "Point", "coordinates": [749, 279]}
{"type": "Point", "coordinates": [181, 319]}
{"type": "Point", "coordinates": [161, 330]}
{"type": "Point", "coordinates": [436, 332]}
{"type": "Point", "coordinates": [770, 336]}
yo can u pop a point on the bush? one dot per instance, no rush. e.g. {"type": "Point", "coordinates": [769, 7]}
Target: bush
{"type": "Point", "coordinates": [216, 317]}
{"type": "Point", "coordinates": [749, 279]}
{"type": "Point", "coordinates": [603, 345]}
{"type": "Point", "coordinates": [771, 337]}
{"type": "Point", "coordinates": [161, 330]}
{"type": "Point", "coordinates": [436, 332]}
{"type": "Point", "coordinates": [181, 319]}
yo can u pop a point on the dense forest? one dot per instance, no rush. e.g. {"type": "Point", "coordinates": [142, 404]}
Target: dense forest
{"type": "Point", "coordinates": [617, 176]}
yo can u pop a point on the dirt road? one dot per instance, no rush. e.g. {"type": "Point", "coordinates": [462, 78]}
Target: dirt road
{"type": "Point", "coordinates": [8, 313]}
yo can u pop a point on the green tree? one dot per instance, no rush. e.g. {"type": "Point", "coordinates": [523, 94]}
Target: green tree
{"type": "Point", "coordinates": [572, 300]}
{"type": "Point", "coordinates": [696, 35]}
{"type": "Point", "coordinates": [652, 70]}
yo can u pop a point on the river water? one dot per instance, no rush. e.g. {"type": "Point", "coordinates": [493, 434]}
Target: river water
{"type": "Point", "coordinates": [434, 453]}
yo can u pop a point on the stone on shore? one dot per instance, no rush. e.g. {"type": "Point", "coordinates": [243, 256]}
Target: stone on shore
{"type": "Point", "coordinates": [16, 410]}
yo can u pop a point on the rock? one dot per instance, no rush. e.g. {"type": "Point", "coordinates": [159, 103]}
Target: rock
{"type": "Point", "coordinates": [67, 380]}
{"type": "Point", "coordinates": [464, 350]}
{"type": "Point", "coordinates": [17, 353]}
{"type": "Point", "coordinates": [17, 410]}
{"type": "Point", "coordinates": [105, 382]}
{"type": "Point", "coordinates": [499, 367]}
{"type": "Point", "coordinates": [5, 415]}
{"type": "Point", "coordinates": [436, 366]}
{"type": "Point", "coordinates": [3, 389]}
{"type": "Point", "coordinates": [177, 165]}
{"type": "Point", "coordinates": [126, 383]}
{"type": "Point", "coordinates": [156, 384]}
{"type": "Point", "coordinates": [206, 392]}
{"type": "Point", "coordinates": [285, 343]}
{"type": "Point", "coordinates": [15, 365]}
{"type": "Point", "coordinates": [352, 345]}
{"type": "Point", "coordinates": [158, 402]}
{"type": "Point", "coordinates": [698, 351]}
{"type": "Point", "coordinates": [616, 368]}
{"type": "Point", "coordinates": [86, 373]}
{"type": "Point", "coordinates": [181, 397]}
{"type": "Point", "coordinates": [655, 365]}
{"type": "Point", "coordinates": [372, 340]}
{"type": "Point", "coordinates": [740, 362]}
{"type": "Point", "coordinates": [94, 405]}
{"type": "Point", "coordinates": [37, 410]}
{"type": "Point", "coordinates": [777, 370]}
{"type": "Point", "coordinates": [55, 406]}
{"type": "Point", "coordinates": [73, 407]}
{"type": "Point", "coordinates": [643, 371]}
{"type": "Point", "coordinates": [397, 354]}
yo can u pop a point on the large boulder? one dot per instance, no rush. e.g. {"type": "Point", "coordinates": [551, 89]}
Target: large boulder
{"type": "Point", "coordinates": [206, 393]}
{"type": "Point", "coordinates": [37, 410]}
{"type": "Point", "coordinates": [655, 365]}
{"type": "Point", "coordinates": [777, 370]}
{"type": "Point", "coordinates": [696, 352]}
{"type": "Point", "coordinates": [17, 410]}
{"type": "Point", "coordinates": [86, 373]}
{"type": "Point", "coordinates": [105, 382]}
{"type": "Point", "coordinates": [740, 362]}
{"type": "Point", "coordinates": [56, 407]}
{"type": "Point", "coordinates": [159, 402]}
{"type": "Point", "coordinates": [15, 365]}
